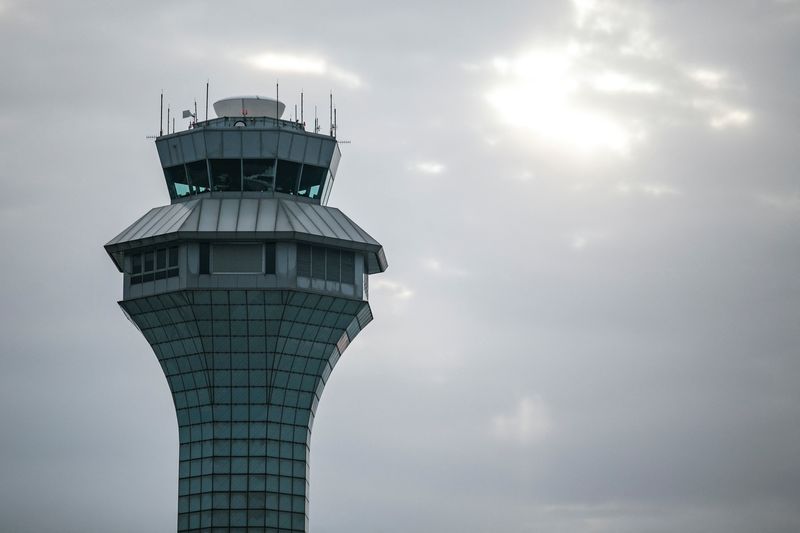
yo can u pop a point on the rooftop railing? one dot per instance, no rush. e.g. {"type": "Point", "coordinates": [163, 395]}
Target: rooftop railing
{"type": "Point", "coordinates": [250, 122]}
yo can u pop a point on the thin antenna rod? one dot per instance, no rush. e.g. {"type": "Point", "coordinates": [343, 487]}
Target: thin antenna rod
{"type": "Point", "coordinates": [161, 117]}
{"type": "Point", "coordinates": [195, 111]}
{"type": "Point", "coordinates": [316, 121]}
{"type": "Point", "coordinates": [206, 100]}
{"type": "Point", "coordinates": [334, 122]}
{"type": "Point", "coordinates": [295, 112]}
{"type": "Point", "coordinates": [277, 100]}
{"type": "Point", "coordinates": [173, 124]}
{"type": "Point", "coordinates": [302, 120]}
{"type": "Point", "coordinates": [167, 119]}
{"type": "Point", "coordinates": [331, 113]}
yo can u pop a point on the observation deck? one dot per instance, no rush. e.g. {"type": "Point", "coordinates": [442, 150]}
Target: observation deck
{"type": "Point", "coordinates": [244, 153]}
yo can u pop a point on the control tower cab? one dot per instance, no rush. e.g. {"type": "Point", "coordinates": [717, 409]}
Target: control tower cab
{"type": "Point", "coordinates": [249, 149]}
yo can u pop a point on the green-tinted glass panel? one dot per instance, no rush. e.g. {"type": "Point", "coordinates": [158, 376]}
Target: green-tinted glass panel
{"type": "Point", "coordinates": [226, 175]}
{"type": "Point", "coordinates": [258, 174]}
{"type": "Point", "coordinates": [286, 177]}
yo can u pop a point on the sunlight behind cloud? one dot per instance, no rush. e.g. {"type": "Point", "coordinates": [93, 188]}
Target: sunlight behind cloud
{"type": "Point", "coordinates": [617, 82]}
{"type": "Point", "coordinates": [601, 91]}
{"type": "Point", "coordinates": [297, 64]}
{"type": "Point", "coordinates": [583, 9]}
{"type": "Point", "coordinates": [539, 92]}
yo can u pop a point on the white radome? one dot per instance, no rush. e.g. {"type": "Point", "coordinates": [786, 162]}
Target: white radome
{"type": "Point", "coordinates": [249, 106]}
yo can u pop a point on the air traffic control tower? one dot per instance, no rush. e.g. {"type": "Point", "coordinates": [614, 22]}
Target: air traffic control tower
{"type": "Point", "coordinates": [249, 288]}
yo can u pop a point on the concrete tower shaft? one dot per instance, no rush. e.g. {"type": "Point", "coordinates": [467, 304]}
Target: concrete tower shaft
{"type": "Point", "coordinates": [248, 289]}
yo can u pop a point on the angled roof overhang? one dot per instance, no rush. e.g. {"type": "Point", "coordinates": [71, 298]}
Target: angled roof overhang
{"type": "Point", "coordinates": [248, 219]}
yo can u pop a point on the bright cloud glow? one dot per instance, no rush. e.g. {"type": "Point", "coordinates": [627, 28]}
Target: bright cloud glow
{"type": "Point", "coordinates": [437, 267]}
{"type": "Point", "coordinates": [289, 63]}
{"type": "Point", "coordinates": [530, 422]}
{"type": "Point", "coordinates": [539, 92]}
{"type": "Point", "coordinates": [604, 89]}
{"type": "Point", "coordinates": [617, 82]}
{"type": "Point", "coordinates": [639, 43]}
{"type": "Point", "coordinates": [728, 119]}
{"type": "Point", "coordinates": [709, 79]}
{"type": "Point", "coordinates": [429, 167]}
{"type": "Point", "coordinates": [583, 10]}
{"type": "Point", "coordinates": [396, 290]}
{"type": "Point", "coordinates": [297, 64]}
{"type": "Point", "coordinates": [720, 115]}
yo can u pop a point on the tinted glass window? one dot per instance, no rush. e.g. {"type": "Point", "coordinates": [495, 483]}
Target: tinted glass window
{"type": "Point", "coordinates": [136, 263]}
{"type": "Point", "coordinates": [269, 258]}
{"type": "Point", "coordinates": [304, 260]}
{"type": "Point", "coordinates": [242, 258]}
{"type": "Point", "coordinates": [318, 262]}
{"type": "Point", "coordinates": [311, 181]}
{"type": "Point", "coordinates": [259, 174]}
{"type": "Point", "coordinates": [198, 175]}
{"type": "Point", "coordinates": [325, 263]}
{"type": "Point", "coordinates": [177, 181]}
{"type": "Point", "coordinates": [286, 179]}
{"type": "Point", "coordinates": [226, 174]}
{"type": "Point", "coordinates": [332, 264]}
{"type": "Point", "coordinates": [348, 267]}
{"type": "Point", "coordinates": [154, 265]}
{"type": "Point", "coordinates": [205, 258]}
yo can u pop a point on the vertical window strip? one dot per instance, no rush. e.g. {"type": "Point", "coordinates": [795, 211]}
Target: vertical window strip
{"type": "Point", "coordinates": [269, 258]}
{"type": "Point", "coordinates": [304, 260]}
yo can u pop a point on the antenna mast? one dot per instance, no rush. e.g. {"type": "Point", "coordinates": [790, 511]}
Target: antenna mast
{"type": "Point", "coordinates": [330, 108]}
{"type": "Point", "coordinates": [302, 120]}
{"type": "Point", "coordinates": [161, 116]}
{"type": "Point", "coordinates": [206, 99]}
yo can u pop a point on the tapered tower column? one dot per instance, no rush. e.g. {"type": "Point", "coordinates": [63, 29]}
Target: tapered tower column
{"type": "Point", "coordinates": [249, 289]}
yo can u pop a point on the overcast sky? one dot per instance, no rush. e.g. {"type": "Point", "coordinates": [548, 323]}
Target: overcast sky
{"type": "Point", "coordinates": [591, 212]}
